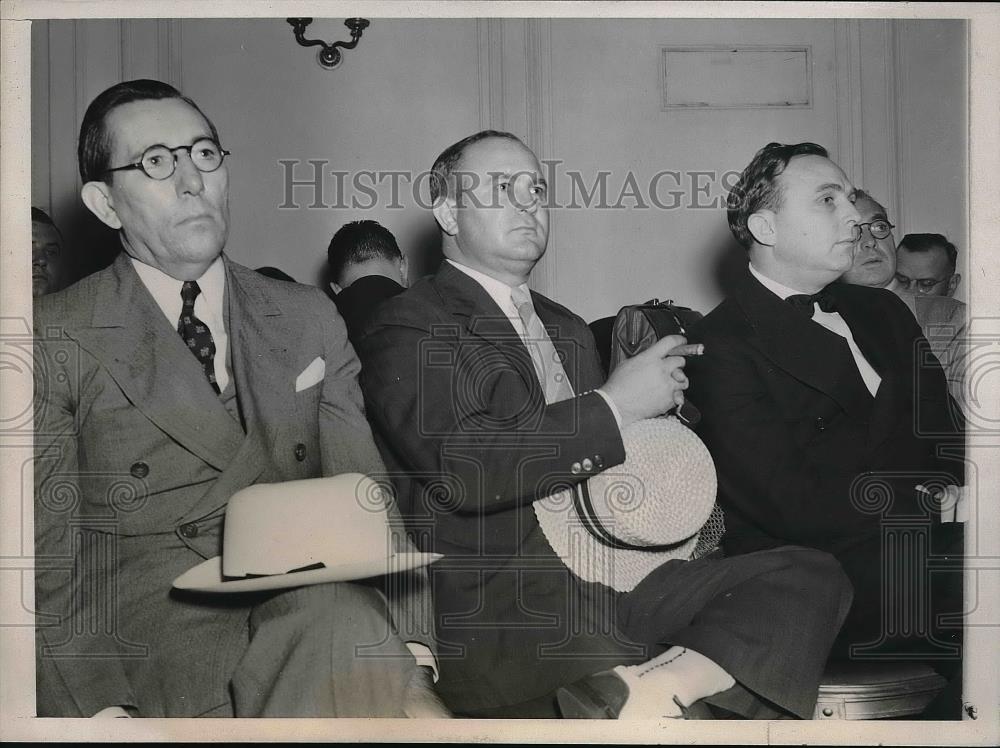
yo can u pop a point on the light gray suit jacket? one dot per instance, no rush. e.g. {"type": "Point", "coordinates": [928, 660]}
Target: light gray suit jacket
{"type": "Point", "coordinates": [135, 459]}
{"type": "Point", "coordinates": [943, 321]}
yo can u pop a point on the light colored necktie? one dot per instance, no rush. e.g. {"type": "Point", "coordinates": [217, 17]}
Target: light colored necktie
{"type": "Point", "coordinates": [544, 356]}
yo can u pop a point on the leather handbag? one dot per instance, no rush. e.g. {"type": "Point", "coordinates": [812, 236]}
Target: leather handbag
{"type": "Point", "coordinates": [638, 326]}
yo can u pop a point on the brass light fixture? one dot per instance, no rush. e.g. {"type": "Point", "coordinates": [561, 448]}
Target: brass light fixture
{"type": "Point", "coordinates": [329, 56]}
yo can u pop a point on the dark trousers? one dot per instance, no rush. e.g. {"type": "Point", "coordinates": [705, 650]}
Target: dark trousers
{"type": "Point", "coordinates": [767, 618]}
{"type": "Point", "coordinates": [908, 597]}
{"type": "Point", "coordinates": [908, 604]}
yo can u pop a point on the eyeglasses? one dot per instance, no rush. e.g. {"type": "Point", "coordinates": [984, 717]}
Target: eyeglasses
{"type": "Point", "coordinates": [879, 229]}
{"type": "Point", "coordinates": [159, 161]}
{"type": "Point", "coordinates": [921, 285]}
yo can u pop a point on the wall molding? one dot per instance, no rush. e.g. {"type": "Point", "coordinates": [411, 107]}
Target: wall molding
{"type": "Point", "coordinates": [491, 79]}
{"type": "Point", "coordinates": [889, 164]}
{"type": "Point", "coordinates": [900, 150]}
{"type": "Point", "coordinates": [41, 121]}
{"type": "Point", "coordinates": [79, 69]}
{"type": "Point", "coordinates": [168, 52]}
{"type": "Point", "coordinates": [850, 124]}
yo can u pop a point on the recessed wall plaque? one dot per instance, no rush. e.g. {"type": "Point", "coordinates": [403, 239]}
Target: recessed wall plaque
{"type": "Point", "coordinates": [725, 77]}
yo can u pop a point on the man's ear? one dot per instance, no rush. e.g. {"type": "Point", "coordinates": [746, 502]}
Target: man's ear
{"type": "Point", "coordinates": [444, 214]}
{"type": "Point", "coordinates": [97, 197]}
{"type": "Point", "coordinates": [761, 227]}
{"type": "Point", "coordinates": [953, 282]}
{"type": "Point", "coordinates": [336, 287]}
{"type": "Point", "coordinates": [404, 270]}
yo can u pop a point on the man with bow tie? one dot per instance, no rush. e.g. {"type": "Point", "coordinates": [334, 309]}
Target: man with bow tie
{"type": "Point", "coordinates": [489, 397]}
{"type": "Point", "coordinates": [821, 404]}
{"type": "Point", "coordinates": [164, 384]}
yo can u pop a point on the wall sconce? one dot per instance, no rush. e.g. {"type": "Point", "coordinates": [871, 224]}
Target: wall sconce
{"type": "Point", "coordinates": [329, 55]}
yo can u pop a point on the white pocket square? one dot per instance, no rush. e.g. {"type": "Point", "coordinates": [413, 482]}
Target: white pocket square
{"type": "Point", "coordinates": [311, 375]}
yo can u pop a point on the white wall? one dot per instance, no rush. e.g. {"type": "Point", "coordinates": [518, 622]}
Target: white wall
{"type": "Point", "coordinates": [933, 163]}
{"type": "Point", "coordinates": [888, 101]}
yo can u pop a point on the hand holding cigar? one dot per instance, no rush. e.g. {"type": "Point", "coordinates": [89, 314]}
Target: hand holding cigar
{"type": "Point", "coordinates": [652, 382]}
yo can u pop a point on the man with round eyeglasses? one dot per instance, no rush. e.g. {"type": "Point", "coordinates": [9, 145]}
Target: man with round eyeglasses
{"type": "Point", "coordinates": [164, 384]}
{"type": "Point", "coordinates": [159, 162]}
{"type": "Point", "coordinates": [942, 319]}
{"type": "Point", "coordinates": [875, 251]}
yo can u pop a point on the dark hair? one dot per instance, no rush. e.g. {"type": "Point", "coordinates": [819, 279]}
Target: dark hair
{"type": "Point", "coordinates": [757, 187]}
{"type": "Point", "coordinates": [40, 216]}
{"type": "Point", "coordinates": [94, 148]}
{"type": "Point", "coordinates": [860, 194]}
{"type": "Point", "coordinates": [360, 241]}
{"type": "Point", "coordinates": [927, 242]}
{"type": "Point", "coordinates": [444, 165]}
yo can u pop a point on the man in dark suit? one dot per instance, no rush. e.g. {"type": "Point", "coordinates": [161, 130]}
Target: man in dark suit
{"type": "Point", "coordinates": [486, 398]}
{"type": "Point", "coordinates": [823, 407]}
{"type": "Point", "coordinates": [143, 434]}
{"type": "Point", "coordinates": [366, 268]}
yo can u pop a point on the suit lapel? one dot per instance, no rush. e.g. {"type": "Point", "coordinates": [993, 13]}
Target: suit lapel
{"type": "Point", "coordinates": [864, 317]}
{"type": "Point", "coordinates": [263, 370]}
{"type": "Point", "coordinates": [148, 360]}
{"type": "Point", "coordinates": [802, 348]}
{"type": "Point", "coordinates": [479, 314]}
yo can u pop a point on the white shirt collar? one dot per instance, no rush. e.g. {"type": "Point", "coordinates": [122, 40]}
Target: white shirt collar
{"type": "Point", "coordinates": [778, 289]}
{"type": "Point", "coordinates": [166, 290]}
{"type": "Point", "coordinates": [498, 290]}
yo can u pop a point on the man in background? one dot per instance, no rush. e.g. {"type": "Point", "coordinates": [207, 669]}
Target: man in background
{"type": "Point", "coordinates": [925, 264]}
{"type": "Point", "coordinates": [49, 265]}
{"type": "Point", "coordinates": [366, 268]}
{"type": "Point", "coordinates": [942, 319]}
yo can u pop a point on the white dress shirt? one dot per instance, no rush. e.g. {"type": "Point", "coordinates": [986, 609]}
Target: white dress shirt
{"type": "Point", "coordinates": [166, 291]}
{"type": "Point", "coordinates": [833, 322]}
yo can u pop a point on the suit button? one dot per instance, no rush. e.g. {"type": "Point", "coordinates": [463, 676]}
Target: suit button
{"type": "Point", "coordinates": [300, 451]}
{"type": "Point", "coordinates": [821, 424]}
{"type": "Point", "coordinates": [599, 461]}
{"type": "Point", "coordinates": [588, 465]}
{"type": "Point", "coordinates": [576, 469]}
{"type": "Point", "coordinates": [139, 470]}
{"type": "Point", "coordinates": [190, 530]}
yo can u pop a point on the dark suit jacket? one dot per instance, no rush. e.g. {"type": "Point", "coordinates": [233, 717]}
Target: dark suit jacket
{"type": "Point", "coordinates": [136, 458]}
{"type": "Point", "coordinates": [804, 453]}
{"type": "Point", "coordinates": [357, 302]}
{"type": "Point", "coordinates": [456, 404]}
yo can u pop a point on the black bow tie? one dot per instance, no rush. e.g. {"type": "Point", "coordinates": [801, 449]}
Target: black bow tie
{"type": "Point", "coordinates": [804, 302]}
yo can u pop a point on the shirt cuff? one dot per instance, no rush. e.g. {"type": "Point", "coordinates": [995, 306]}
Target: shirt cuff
{"type": "Point", "coordinates": [424, 657]}
{"type": "Point", "coordinates": [611, 404]}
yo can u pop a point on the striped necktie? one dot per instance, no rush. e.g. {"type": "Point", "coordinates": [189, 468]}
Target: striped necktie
{"type": "Point", "coordinates": [547, 362]}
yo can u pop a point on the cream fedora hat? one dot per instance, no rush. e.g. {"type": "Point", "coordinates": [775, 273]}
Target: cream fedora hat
{"type": "Point", "coordinates": [619, 525]}
{"type": "Point", "coordinates": [303, 532]}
